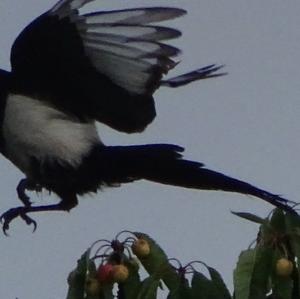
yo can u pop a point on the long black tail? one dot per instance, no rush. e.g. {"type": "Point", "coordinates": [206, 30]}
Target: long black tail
{"type": "Point", "coordinates": [163, 163]}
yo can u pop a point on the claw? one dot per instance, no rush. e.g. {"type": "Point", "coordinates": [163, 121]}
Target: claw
{"type": "Point", "coordinates": [29, 221]}
{"type": "Point", "coordinates": [21, 188]}
{"type": "Point", "coordinates": [7, 217]}
{"type": "Point", "coordinates": [68, 202]}
{"type": "Point", "coordinates": [27, 184]}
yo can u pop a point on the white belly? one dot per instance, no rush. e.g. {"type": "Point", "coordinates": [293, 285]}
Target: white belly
{"type": "Point", "coordinates": [34, 129]}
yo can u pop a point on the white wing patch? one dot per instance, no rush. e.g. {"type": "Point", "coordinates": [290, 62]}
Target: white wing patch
{"type": "Point", "coordinates": [143, 32]}
{"type": "Point", "coordinates": [32, 128]}
{"type": "Point", "coordinates": [123, 46]}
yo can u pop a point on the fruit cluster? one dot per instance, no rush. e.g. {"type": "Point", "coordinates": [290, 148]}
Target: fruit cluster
{"type": "Point", "coordinates": [137, 267]}
{"type": "Point", "coordinates": [115, 260]}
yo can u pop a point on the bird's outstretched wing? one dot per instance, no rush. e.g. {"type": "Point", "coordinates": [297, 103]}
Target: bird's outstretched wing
{"type": "Point", "coordinates": [101, 65]}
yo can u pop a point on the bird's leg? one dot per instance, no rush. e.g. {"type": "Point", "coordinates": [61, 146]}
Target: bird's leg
{"type": "Point", "coordinates": [67, 203]}
{"type": "Point", "coordinates": [27, 184]}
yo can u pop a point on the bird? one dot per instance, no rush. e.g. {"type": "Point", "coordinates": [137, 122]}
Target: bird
{"type": "Point", "coordinates": [70, 70]}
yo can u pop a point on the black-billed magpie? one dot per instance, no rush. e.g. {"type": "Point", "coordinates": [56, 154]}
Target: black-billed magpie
{"type": "Point", "coordinates": [70, 70]}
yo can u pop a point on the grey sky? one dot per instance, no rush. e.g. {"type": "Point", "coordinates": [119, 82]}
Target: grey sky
{"type": "Point", "coordinates": [245, 124]}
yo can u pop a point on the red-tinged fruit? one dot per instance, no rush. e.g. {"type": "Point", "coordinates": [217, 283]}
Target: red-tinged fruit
{"type": "Point", "coordinates": [120, 273]}
{"type": "Point", "coordinates": [92, 287]}
{"type": "Point", "coordinates": [104, 273]}
{"type": "Point", "coordinates": [141, 248]}
{"type": "Point", "coordinates": [284, 267]}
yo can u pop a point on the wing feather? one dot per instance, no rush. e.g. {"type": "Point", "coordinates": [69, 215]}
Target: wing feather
{"type": "Point", "coordinates": [125, 33]}
{"type": "Point", "coordinates": [137, 49]}
{"type": "Point", "coordinates": [102, 65]}
{"type": "Point", "coordinates": [135, 16]}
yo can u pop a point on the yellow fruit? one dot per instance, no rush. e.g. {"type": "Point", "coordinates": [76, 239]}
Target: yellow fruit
{"type": "Point", "coordinates": [120, 273]}
{"type": "Point", "coordinates": [92, 287]}
{"type": "Point", "coordinates": [284, 267]}
{"type": "Point", "coordinates": [141, 248]}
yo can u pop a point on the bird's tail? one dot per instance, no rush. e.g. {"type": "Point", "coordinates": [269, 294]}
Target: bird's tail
{"type": "Point", "coordinates": [163, 163]}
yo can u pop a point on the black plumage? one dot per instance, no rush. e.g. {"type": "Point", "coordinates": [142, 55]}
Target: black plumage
{"type": "Point", "coordinates": [70, 70]}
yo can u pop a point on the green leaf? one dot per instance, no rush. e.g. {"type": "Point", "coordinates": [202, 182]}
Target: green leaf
{"type": "Point", "coordinates": [252, 273]}
{"type": "Point", "coordinates": [282, 287]}
{"type": "Point", "coordinates": [77, 278]}
{"type": "Point", "coordinates": [91, 268]}
{"type": "Point", "coordinates": [219, 284]}
{"type": "Point", "coordinates": [157, 263]}
{"type": "Point", "coordinates": [133, 283]}
{"type": "Point", "coordinates": [84, 262]}
{"type": "Point", "coordinates": [149, 288]}
{"type": "Point", "coordinates": [107, 293]}
{"type": "Point", "coordinates": [293, 231]}
{"type": "Point", "coordinates": [203, 288]}
{"type": "Point", "coordinates": [183, 291]}
{"type": "Point", "coordinates": [292, 228]}
{"type": "Point", "coordinates": [277, 221]}
{"type": "Point", "coordinates": [250, 217]}
{"type": "Point", "coordinates": [76, 285]}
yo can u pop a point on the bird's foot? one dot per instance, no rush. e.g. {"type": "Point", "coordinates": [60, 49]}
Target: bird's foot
{"type": "Point", "coordinates": [26, 184]}
{"type": "Point", "coordinates": [7, 217]}
{"type": "Point", "coordinates": [68, 202]}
